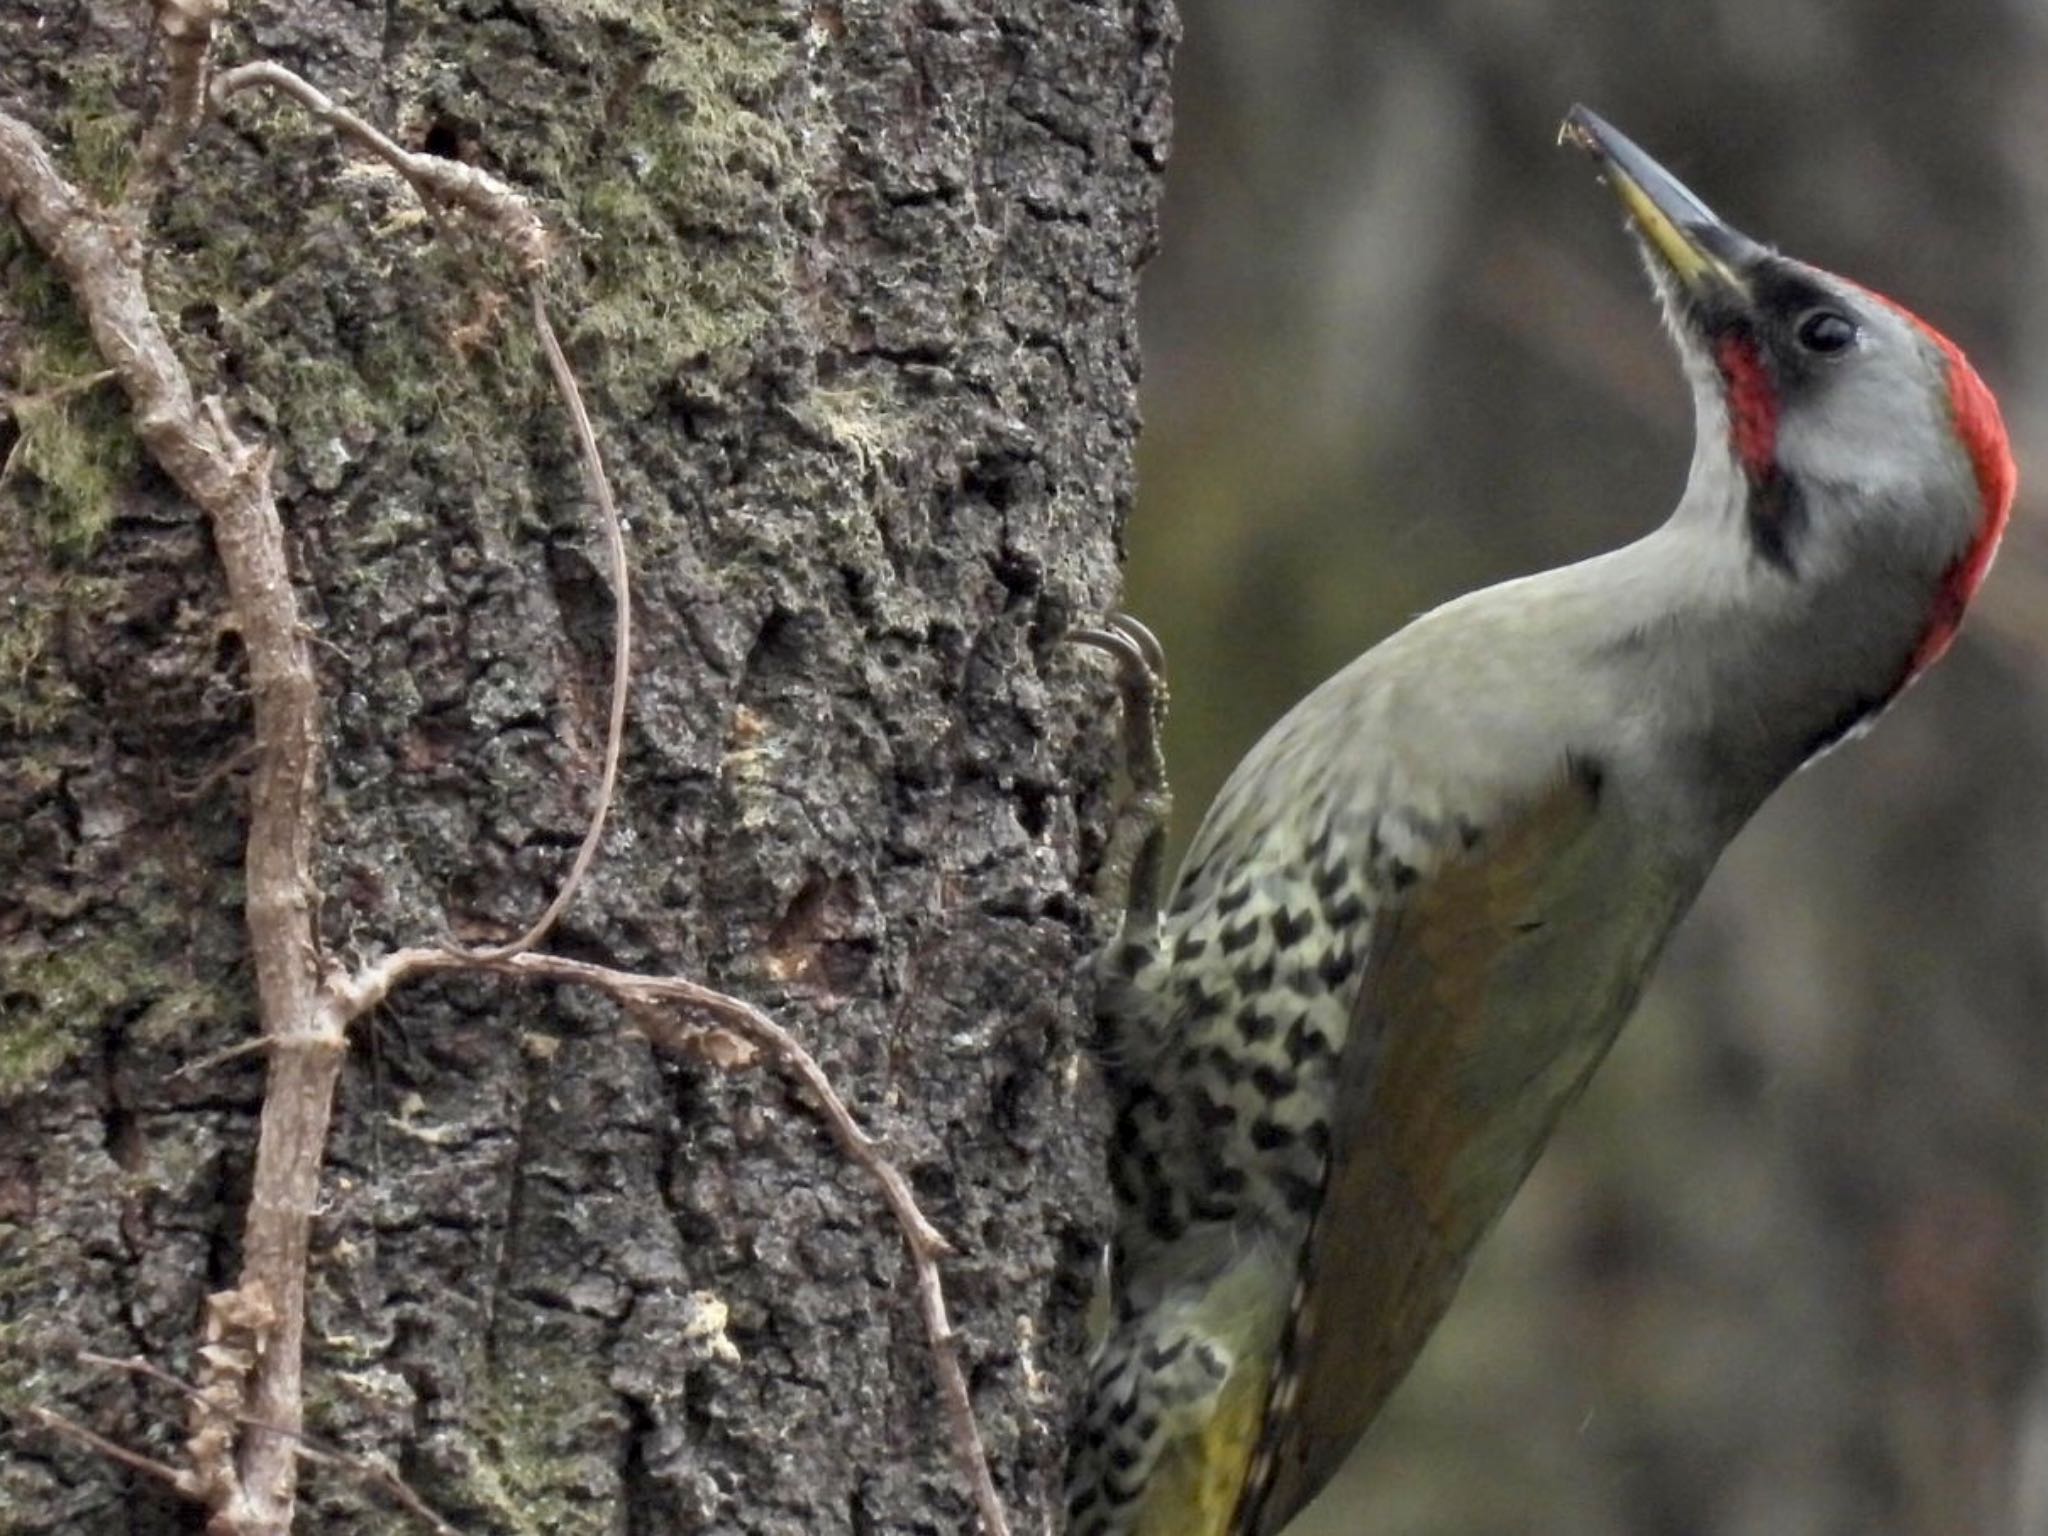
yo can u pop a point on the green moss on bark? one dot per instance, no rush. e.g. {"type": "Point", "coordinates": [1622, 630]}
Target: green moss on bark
{"type": "Point", "coordinates": [73, 455]}
{"type": "Point", "coordinates": [539, 1475]}
{"type": "Point", "coordinates": [101, 132]}
{"type": "Point", "coordinates": [708, 155]}
{"type": "Point", "coordinates": [75, 448]}
{"type": "Point", "coordinates": [58, 999]}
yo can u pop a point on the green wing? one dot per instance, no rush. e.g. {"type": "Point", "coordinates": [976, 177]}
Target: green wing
{"type": "Point", "coordinates": [1395, 1227]}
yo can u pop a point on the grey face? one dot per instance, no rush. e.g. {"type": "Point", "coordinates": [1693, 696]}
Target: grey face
{"type": "Point", "coordinates": [1837, 411]}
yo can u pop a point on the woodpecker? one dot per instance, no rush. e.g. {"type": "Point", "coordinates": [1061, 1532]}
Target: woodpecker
{"type": "Point", "coordinates": [1419, 911]}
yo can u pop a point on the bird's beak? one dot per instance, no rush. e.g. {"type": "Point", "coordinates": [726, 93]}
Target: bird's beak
{"type": "Point", "coordinates": [1705, 255]}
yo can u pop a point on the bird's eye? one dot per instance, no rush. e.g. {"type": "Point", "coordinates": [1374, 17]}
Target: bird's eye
{"type": "Point", "coordinates": [1825, 331]}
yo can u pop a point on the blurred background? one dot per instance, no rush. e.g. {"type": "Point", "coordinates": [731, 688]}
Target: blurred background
{"type": "Point", "coordinates": [1785, 1270]}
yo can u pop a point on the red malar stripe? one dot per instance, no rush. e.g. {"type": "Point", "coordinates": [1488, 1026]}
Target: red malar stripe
{"type": "Point", "coordinates": [1752, 405]}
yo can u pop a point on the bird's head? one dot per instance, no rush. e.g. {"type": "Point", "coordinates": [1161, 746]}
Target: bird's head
{"type": "Point", "coordinates": [1863, 452]}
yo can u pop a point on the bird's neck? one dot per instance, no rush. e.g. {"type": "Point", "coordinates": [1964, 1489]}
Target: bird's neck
{"type": "Point", "coordinates": [1749, 667]}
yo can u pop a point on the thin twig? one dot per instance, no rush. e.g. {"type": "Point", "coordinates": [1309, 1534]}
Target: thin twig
{"type": "Point", "coordinates": [113, 1450]}
{"type": "Point", "coordinates": [215, 776]}
{"type": "Point", "coordinates": [508, 217]}
{"type": "Point", "coordinates": [622, 633]}
{"type": "Point", "coordinates": [214, 1060]}
{"type": "Point", "coordinates": [135, 1365]}
{"type": "Point", "coordinates": [351, 997]}
{"type": "Point", "coordinates": [377, 1473]}
{"type": "Point", "coordinates": [632, 989]}
{"type": "Point", "coordinates": [312, 1450]}
{"type": "Point", "coordinates": [17, 402]}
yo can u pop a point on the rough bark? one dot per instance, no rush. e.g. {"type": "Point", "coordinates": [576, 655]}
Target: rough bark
{"type": "Point", "coordinates": [850, 287]}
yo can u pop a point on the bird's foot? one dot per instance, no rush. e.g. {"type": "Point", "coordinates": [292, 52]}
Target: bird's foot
{"type": "Point", "coordinates": [1129, 877]}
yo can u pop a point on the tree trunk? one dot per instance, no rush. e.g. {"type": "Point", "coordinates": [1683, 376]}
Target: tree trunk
{"type": "Point", "coordinates": [850, 288]}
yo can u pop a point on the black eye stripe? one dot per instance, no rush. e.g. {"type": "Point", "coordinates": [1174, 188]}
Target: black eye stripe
{"type": "Point", "coordinates": [1800, 318]}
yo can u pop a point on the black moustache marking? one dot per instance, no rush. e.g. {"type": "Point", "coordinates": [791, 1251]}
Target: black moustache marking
{"type": "Point", "coordinates": [1777, 522]}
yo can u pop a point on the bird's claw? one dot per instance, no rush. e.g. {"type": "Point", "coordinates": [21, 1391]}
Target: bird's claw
{"type": "Point", "coordinates": [1128, 640]}
{"type": "Point", "coordinates": [1131, 870]}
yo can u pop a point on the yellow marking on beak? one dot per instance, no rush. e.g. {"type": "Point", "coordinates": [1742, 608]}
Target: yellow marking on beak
{"type": "Point", "coordinates": [1692, 263]}
{"type": "Point", "coordinates": [1695, 267]}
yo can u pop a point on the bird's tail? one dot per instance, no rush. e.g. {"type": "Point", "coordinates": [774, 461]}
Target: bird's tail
{"type": "Point", "coordinates": [1167, 1432]}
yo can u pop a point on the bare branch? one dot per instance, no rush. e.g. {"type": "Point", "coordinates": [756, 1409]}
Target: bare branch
{"type": "Point", "coordinates": [135, 1365]}
{"type": "Point", "coordinates": [213, 1060]}
{"type": "Point", "coordinates": [99, 260]}
{"type": "Point", "coordinates": [380, 1475]}
{"type": "Point", "coordinates": [56, 392]}
{"type": "Point", "coordinates": [256, 1330]}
